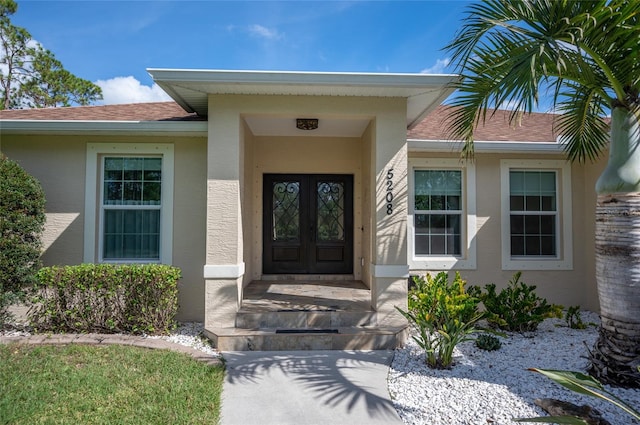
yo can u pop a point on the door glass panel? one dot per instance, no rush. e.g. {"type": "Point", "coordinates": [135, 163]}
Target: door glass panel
{"type": "Point", "coordinates": [330, 214]}
{"type": "Point", "coordinates": [286, 211]}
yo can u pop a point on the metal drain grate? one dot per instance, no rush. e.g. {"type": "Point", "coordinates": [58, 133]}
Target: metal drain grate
{"type": "Point", "coordinates": [305, 310]}
{"type": "Point", "coordinates": [307, 331]}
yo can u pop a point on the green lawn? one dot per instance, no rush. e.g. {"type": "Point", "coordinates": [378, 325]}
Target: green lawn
{"type": "Point", "coordinates": [78, 384]}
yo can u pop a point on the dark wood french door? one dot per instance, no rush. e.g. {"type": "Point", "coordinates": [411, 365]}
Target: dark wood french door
{"type": "Point", "coordinates": [308, 224]}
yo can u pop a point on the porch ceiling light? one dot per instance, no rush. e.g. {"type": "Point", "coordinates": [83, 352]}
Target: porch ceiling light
{"type": "Point", "coordinates": [307, 123]}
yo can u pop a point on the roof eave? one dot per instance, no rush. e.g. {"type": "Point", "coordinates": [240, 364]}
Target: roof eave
{"type": "Point", "coordinates": [416, 145]}
{"type": "Point", "coordinates": [190, 88]}
{"type": "Point", "coordinates": [147, 128]}
{"type": "Point", "coordinates": [287, 78]}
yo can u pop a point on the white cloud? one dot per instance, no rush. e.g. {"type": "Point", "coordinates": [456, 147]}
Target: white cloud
{"type": "Point", "coordinates": [129, 90]}
{"type": "Point", "coordinates": [264, 32]}
{"type": "Point", "coordinates": [438, 68]}
{"type": "Point", "coordinates": [509, 105]}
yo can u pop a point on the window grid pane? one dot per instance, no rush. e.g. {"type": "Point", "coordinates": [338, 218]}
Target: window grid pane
{"type": "Point", "coordinates": [131, 234]}
{"type": "Point", "coordinates": [534, 213]}
{"type": "Point", "coordinates": [132, 181]}
{"type": "Point", "coordinates": [131, 208]}
{"type": "Point", "coordinates": [438, 234]}
{"type": "Point", "coordinates": [438, 212]}
{"type": "Point", "coordinates": [438, 190]}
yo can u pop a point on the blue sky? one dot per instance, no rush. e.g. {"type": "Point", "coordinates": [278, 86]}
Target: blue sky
{"type": "Point", "coordinates": [113, 42]}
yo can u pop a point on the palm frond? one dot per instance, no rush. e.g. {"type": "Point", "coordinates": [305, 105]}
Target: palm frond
{"type": "Point", "coordinates": [581, 123]}
{"type": "Point", "coordinates": [506, 50]}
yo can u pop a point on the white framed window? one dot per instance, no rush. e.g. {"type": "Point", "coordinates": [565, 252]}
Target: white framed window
{"type": "Point", "coordinates": [536, 215]}
{"type": "Point", "coordinates": [129, 203]}
{"type": "Point", "coordinates": [442, 214]}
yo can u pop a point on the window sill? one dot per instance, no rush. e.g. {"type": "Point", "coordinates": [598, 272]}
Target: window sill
{"type": "Point", "coordinates": [537, 264]}
{"type": "Point", "coordinates": [441, 263]}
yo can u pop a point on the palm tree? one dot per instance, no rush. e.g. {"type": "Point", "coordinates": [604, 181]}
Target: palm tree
{"type": "Point", "coordinates": [585, 55]}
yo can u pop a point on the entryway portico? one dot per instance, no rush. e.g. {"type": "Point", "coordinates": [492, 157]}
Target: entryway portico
{"type": "Point", "coordinates": [359, 150]}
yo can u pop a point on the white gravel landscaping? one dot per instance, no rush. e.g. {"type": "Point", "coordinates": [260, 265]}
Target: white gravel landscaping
{"type": "Point", "coordinates": [493, 387]}
{"type": "Point", "coordinates": [190, 334]}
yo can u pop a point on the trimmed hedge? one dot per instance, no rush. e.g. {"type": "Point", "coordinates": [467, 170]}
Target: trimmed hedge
{"type": "Point", "coordinates": [106, 298]}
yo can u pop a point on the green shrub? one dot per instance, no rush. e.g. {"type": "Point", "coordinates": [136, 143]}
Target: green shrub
{"type": "Point", "coordinates": [516, 308]}
{"type": "Point", "coordinates": [136, 298]}
{"type": "Point", "coordinates": [435, 295]}
{"type": "Point", "coordinates": [488, 342]}
{"type": "Point", "coordinates": [444, 315]}
{"type": "Point", "coordinates": [21, 223]}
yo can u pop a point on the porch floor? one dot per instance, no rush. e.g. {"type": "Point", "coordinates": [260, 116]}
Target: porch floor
{"type": "Point", "coordinates": [311, 295]}
{"type": "Point", "coordinates": [313, 314]}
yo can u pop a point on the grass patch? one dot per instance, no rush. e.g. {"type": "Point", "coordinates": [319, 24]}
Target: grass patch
{"type": "Point", "coordinates": [73, 384]}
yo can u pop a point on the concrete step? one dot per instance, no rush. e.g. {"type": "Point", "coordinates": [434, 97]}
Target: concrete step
{"type": "Point", "coordinates": [303, 318]}
{"type": "Point", "coordinates": [287, 339]}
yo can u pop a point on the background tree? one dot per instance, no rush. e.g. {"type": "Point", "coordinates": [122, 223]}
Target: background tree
{"type": "Point", "coordinates": [587, 55]}
{"type": "Point", "coordinates": [31, 76]}
{"type": "Point", "coordinates": [22, 220]}
{"type": "Point", "coordinates": [12, 56]}
{"type": "Point", "coordinates": [51, 85]}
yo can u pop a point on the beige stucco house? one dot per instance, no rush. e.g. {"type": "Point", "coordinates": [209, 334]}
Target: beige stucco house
{"type": "Point", "coordinates": [298, 204]}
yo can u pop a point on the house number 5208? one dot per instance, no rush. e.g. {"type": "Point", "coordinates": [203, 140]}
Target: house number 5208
{"type": "Point", "coordinates": [389, 195]}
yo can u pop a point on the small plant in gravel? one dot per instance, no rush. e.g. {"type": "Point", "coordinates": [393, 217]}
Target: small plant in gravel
{"type": "Point", "coordinates": [516, 308]}
{"type": "Point", "coordinates": [488, 342]}
{"type": "Point", "coordinates": [574, 318]}
{"type": "Point", "coordinates": [443, 314]}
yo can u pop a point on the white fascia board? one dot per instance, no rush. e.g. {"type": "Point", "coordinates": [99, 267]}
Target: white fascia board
{"type": "Point", "coordinates": [415, 145]}
{"type": "Point", "coordinates": [70, 127]}
{"type": "Point", "coordinates": [301, 78]}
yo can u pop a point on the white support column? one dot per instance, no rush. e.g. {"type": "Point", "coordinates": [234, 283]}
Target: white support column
{"type": "Point", "coordinates": [389, 269]}
{"type": "Point", "coordinates": [224, 266]}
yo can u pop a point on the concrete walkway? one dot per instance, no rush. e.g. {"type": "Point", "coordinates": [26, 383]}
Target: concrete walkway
{"type": "Point", "coordinates": [307, 388]}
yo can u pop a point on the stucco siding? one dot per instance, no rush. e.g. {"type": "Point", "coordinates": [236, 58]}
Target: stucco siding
{"type": "Point", "coordinates": [390, 155]}
{"type": "Point", "coordinates": [367, 204]}
{"type": "Point", "coordinates": [572, 286]}
{"type": "Point", "coordinates": [249, 231]}
{"type": "Point", "coordinates": [189, 221]}
{"type": "Point", "coordinates": [59, 163]}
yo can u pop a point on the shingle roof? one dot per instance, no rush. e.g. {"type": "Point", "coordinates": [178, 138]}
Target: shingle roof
{"type": "Point", "coordinates": [153, 111]}
{"type": "Point", "coordinates": [535, 127]}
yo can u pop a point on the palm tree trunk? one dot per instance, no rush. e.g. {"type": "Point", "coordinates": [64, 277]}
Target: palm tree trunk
{"type": "Point", "coordinates": [617, 351]}
{"type": "Point", "coordinates": [615, 358]}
